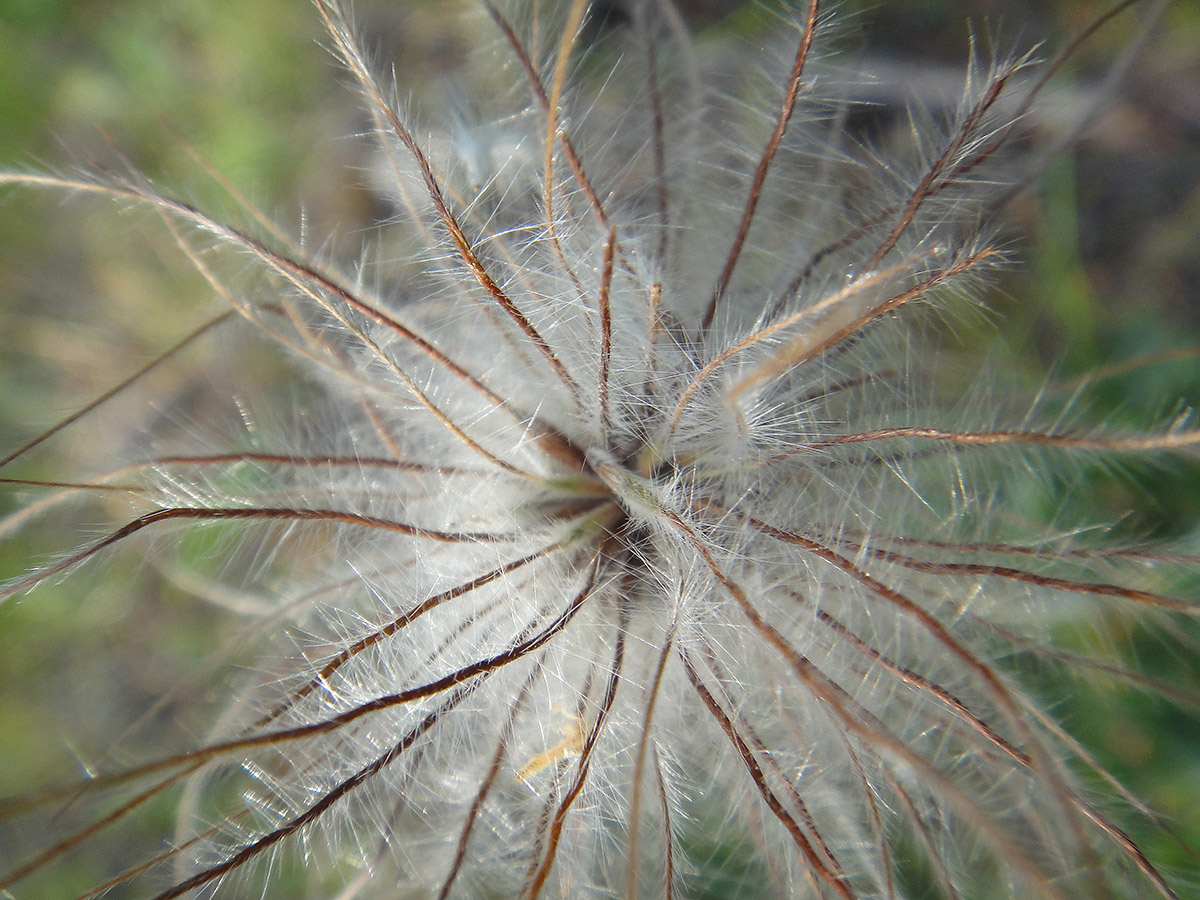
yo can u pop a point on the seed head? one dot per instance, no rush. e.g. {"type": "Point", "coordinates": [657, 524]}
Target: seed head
{"type": "Point", "coordinates": [624, 544]}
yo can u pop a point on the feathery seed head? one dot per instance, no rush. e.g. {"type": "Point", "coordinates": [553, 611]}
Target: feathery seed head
{"type": "Point", "coordinates": [641, 561]}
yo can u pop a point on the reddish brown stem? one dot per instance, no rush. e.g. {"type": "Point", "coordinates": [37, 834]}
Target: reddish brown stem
{"type": "Point", "coordinates": [764, 164]}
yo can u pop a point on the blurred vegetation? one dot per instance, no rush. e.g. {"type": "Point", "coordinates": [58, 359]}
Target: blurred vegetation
{"type": "Point", "coordinates": [1108, 239]}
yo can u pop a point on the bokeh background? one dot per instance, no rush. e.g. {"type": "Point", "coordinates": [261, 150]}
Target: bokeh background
{"type": "Point", "coordinates": [1108, 238]}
